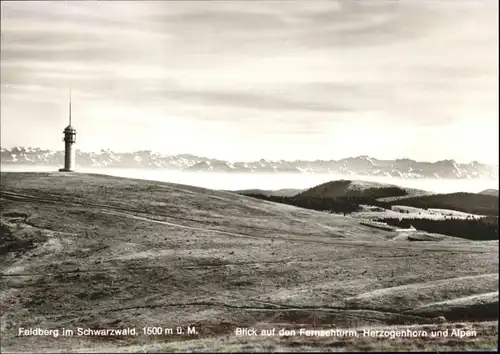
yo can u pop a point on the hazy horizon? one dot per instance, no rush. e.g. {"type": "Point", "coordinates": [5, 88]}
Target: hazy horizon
{"type": "Point", "coordinates": [291, 80]}
{"type": "Point", "coordinates": [269, 181]}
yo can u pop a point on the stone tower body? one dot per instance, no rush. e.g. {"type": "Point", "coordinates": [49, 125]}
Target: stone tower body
{"type": "Point", "coordinates": [69, 144]}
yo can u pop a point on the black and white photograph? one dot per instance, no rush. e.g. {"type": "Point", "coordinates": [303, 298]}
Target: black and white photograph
{"type": "Point", "coordinates": [249, 176]}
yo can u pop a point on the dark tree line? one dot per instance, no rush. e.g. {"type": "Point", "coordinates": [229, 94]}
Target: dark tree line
{"type": "Point", "coordinates": [473, 229]}
{"type": "Point", "coordinates": [377, 193]}
{"type": "Point", "coordinates": [466, 202]}
{"type": "Point", "coordinates": [332, 205]}
{"type": "Point", "coordinates": [344, 205]}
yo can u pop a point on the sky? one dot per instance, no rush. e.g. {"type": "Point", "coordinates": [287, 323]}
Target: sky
{"type": "Point", "coordinates": [244, 80]}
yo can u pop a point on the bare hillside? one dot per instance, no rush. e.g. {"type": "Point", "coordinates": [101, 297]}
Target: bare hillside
{"type": "Point", "coordinates": [493, 192]}
{"type": "Point", "coordinates": [101, 252]}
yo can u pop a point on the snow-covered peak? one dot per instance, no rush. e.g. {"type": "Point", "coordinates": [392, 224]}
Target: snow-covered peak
{"type": "Point", "coordinates": [354, 166]}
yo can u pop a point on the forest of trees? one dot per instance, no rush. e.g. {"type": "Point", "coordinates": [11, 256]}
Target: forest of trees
{"type": "Point", "coordinates": [332, 205]}
{"type": "Point", "coordinates": [345, 205]}
{"type": "Point", "coordinates": [472, 229]}
{"type": "Point", "coordinates": [472, 203]}
{"type": "Point", "coordinates": [465, 202]}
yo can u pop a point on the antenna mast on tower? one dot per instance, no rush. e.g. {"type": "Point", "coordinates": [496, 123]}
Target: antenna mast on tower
{"type": "Point", "coordinates": [69, 106]}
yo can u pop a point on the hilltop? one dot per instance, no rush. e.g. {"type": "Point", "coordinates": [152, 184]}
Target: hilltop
{"type": "Point", "coordinates": [387, 196]}
{"type": "Point", "coordinates": [97, 251]}
{"type": "Point", "coordinates": [493, 192]}
{"type": "Point", "coordinates": [362, 189]}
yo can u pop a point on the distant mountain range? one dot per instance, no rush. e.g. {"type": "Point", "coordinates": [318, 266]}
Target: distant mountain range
{"type": "Point", "coordinates": [352, 166]}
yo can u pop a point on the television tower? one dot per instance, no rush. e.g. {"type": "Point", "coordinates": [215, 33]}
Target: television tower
{"type": "Point", "coordinates": [69, 144]}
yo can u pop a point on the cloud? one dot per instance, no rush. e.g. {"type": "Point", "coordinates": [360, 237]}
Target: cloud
{"type": "Point", "coordinates": [298, 68]}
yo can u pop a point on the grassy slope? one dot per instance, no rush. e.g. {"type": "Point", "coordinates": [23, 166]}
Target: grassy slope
{"type": "Point", "coordinates": [98, 251]}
